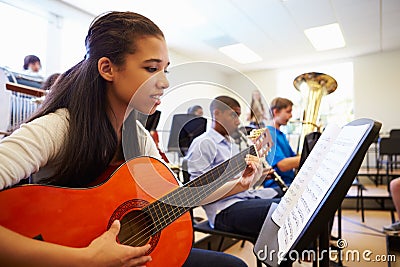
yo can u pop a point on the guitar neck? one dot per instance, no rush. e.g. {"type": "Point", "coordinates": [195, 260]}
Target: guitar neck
{"type": "Point", "coordinates": [170, 207]}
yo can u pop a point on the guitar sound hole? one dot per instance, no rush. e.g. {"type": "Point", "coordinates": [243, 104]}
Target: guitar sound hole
{"type": "Point", "coordinates": [136, 228]}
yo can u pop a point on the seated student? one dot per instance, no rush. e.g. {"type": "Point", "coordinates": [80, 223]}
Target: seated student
{"type": "Point", "coordinates": [76, 135]}
{"type": "Point", "coordinates": [32, 66]}
{"type": "Point", "coordinates": [235, 208]}
{"type": "Point", "coordinates": [281, 157]}
{"type": "Point", "coordinates": [395, 192]}
{"type": "Point", "coordinates": [256, 116]}
{"type": "Point", "coordinates": [195, 110]}
{"type": "Point", "coordinates": [48, 83]}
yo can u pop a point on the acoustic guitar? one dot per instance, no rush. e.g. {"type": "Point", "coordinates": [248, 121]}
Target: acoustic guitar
{"type": "Point", "coordinates": [142, 193]}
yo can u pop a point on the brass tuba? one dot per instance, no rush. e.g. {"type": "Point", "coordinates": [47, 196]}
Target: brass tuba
{"type": "Point", "coordinates": [313, 86]}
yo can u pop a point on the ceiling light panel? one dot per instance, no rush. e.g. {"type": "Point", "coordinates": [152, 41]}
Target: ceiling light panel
{"type": "Point", "coordinates": [240, 53]}
{"type": "Point", "coordinates": [325, 37]}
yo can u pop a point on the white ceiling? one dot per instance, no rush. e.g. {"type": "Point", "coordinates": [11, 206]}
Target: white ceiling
{"type": "Point", "coordinates": [274, 29]}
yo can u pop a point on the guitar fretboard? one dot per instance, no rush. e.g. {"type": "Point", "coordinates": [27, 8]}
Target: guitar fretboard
{"type": "Point", "coordinates": [171, 206]}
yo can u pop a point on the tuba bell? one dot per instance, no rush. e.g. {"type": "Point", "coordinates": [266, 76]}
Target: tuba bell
{"type": "Point", "coordinates": [313, 86]}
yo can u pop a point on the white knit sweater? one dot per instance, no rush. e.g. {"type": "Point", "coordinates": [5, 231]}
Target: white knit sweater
{"type": "Point", "coordinates": [36, 147]}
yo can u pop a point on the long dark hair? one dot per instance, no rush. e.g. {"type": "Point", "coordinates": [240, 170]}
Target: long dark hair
{"type": "Point", "coordinates": [256, 106]}
{"type": "Point", "coordinates": [91, 141]}
{"type": "Point", "coordinates": [252, 103]}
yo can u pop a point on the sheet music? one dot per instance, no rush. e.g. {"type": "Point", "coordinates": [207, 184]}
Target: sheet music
{"type": "Point", "coordinates": [305, 174]}
{"type": "Point", "coordinates": [326, 173]}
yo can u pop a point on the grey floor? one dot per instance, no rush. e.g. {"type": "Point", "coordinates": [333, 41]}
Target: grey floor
{"type": "Point", "coordinates": [362, 238]}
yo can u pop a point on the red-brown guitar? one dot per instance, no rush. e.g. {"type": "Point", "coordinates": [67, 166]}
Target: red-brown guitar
{"type": "Point", "coordinates": [142, 193]}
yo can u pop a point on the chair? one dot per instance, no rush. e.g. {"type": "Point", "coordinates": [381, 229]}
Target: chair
{"type": "Point", "coordinates": [150, 122]}
{"type": "Point", "coordinates": [389, 148]}
{"type": "Point", "coordinates": [309, 142]}
{"type": "Point", "coordinates": [374, 149]}
{"type": "Point", "coordinates": [395, 133]}
{"type": "Point", "coordinates": [201, 225]}
{"type": "Point", "coordinates": [204, 227]}
{"type": "Point", "coordinates": [184, 128]}
{"type": "Point", "coordinates": [359, 198]}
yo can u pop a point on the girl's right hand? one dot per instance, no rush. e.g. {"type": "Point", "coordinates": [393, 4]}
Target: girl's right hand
{"type": "Point", "coordinates": [105, 251]}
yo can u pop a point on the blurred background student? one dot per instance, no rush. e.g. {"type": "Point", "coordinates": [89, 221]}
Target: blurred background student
{"type": "Point", "coordinates": [32, 66]}
{"type": "Point", "coordinates": [257, 115]}
{"type": "Point", "coordinates": [195, 110]}
{"type": "Point", "coordinates": [48, 83]}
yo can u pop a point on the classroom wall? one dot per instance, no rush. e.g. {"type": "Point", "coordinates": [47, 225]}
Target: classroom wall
{"type": "Point", "coordinates": [375, 86]}
{"type": "Point", "coordinates": [191, 83]}
{"type": "Point", "coordinates": [66, 31]}
{"type": "Point", "coordinates": [376, 90]}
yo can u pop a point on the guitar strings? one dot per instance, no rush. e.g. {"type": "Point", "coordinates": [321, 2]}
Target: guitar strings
{"type": "Point", "coordinates": [181, 210]}
{"type": "Point", "coordinates": [160, 207]}
{"type": "Point", "coordinates": [149, 229]}
{"type": "Point", "coordinates": [198, 196]}
{"type": "Point", "coordinates": [158, 203]}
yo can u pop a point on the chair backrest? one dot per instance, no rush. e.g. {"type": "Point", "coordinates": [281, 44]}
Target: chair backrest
{"type": "Point", "coordinates": [184, 170]}
{"type": "Point", "coordinates": [184, 128]}
{"type": "Point", "coordinates": [394, 133]}
{"type": "Point", "coordinates": [150, 122]}
{"type": "Point", "coordinates": [389, 146]}
{"type": "Point", "coordinates": [309, 142]}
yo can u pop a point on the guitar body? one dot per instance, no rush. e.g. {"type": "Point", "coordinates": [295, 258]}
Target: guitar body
{"type": "Point", "coordinates": [74, 217]}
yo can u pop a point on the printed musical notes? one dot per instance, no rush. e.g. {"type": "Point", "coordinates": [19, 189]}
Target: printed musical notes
{"type": "Point", "coordinates": [305, 174]}
{"type": "Point", "coordinates": [319, 172]}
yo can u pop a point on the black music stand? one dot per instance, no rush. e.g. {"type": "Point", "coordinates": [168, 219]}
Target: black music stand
{"type": "Point", "coordinates": [184, 128]}
{"type": "Point", "coordinates": [317, 225]}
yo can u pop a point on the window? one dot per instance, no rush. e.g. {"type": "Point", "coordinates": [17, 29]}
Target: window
{"type": "Point", "coordinates": [22, 33]}
{"type": "Point", "coordinates": [55, 33]}
{"type": "Point", "coordinates": [73, 35]}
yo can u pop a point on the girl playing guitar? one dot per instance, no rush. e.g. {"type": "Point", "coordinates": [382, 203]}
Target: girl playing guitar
{"type": "Point", "coordinates": [77, 134]}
